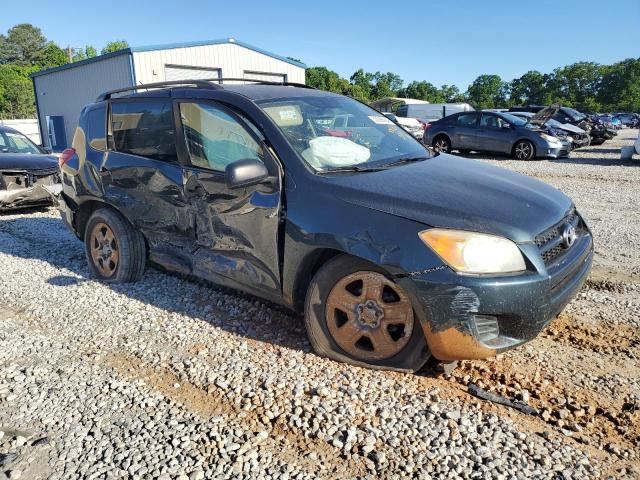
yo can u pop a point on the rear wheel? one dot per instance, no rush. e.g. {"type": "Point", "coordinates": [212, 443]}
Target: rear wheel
{"type": "Point", "coordinates": [354, 313]}
{"type": "Point", "coordinates": [441, 144]}
{"type": "Point", "coordinates": [115, 249]}
{"type": "Point", "coordinates": [524, 150]}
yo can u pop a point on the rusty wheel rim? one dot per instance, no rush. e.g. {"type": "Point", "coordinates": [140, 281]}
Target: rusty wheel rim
{"type": "Point", "coordinates": [104, 250]}
{"type": "Point", "coordinates": [369, 316]}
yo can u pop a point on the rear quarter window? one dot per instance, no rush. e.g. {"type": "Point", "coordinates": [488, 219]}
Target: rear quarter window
{"type": "Point", "coordinates": [97, 128]}
{"type": "Point", "coordinates": [144, 128]}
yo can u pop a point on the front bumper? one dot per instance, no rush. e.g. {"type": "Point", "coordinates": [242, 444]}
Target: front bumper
{"type": "Point", "coordinates": [465, 318]}
{"type": "Point", "coordinates": [34, 196]}
{"type": "Point", "coordinates": [554, 150]}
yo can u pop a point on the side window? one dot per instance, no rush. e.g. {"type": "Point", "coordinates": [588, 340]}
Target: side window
{"type": "Point", "coordinates": [466, 120]}
{"type": "Point", "coordinates": [97, 128]}
{"type": "Point", "coordinates": [490, 121]}
{"type": "Point", "coordinates": [3, 142]}
{"type": "Point", "coordinates": [144, 128]}
{"type": "Point", "coordinates": [214, 137]}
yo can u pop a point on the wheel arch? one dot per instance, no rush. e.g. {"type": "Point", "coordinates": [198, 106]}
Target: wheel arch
{"type": "Point", "coordinates": [313, 262]}
{"type": "Point", "coordinates": [86, 209]}
{"type": "Point", "coordinates": [309, 266]}
{"type": "Point", "coordinates": [442, 134]}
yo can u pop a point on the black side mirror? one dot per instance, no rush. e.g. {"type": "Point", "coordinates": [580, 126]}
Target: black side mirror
{"type": "Point", "coordinates": [47, 150]}
{"type": "Point", "coordinates": [245, 173]}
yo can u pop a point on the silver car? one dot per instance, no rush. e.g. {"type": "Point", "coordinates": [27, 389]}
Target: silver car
{"type": "Point", "coordinates": [494, 132]}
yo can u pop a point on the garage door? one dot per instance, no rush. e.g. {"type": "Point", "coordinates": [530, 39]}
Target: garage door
{"type": "Point", "coordinates": [267, 77]}
{"type": "Point", "coordinates": [187, 72]}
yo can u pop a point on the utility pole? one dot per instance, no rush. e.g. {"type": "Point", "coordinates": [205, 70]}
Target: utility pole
{"type": "Point", "coordinates": [70, 53]}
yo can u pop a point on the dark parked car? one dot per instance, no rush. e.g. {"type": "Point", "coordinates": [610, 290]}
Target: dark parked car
{"type": "Point", "coordinates": [392, 254]}
{"type": "Point", "coordinates": [493, 132]}
{"type": "Point", "coordinates": [29, 175]}
{"type": "Point", "coordinates": [564, 131]}
{"type": "Point", "coordinates": [597, 130]}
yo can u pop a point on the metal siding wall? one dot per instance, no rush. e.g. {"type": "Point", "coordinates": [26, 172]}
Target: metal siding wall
{"type": "Point", "coordinates": [232, 59]}
{"type": "Point", "coordinates": [66, 92]}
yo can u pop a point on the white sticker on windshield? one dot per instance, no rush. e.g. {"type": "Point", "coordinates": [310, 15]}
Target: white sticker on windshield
{"type": "Point", "coordinates": [380, 120]}
{"type": "Point", "coordinates": [288, 114]}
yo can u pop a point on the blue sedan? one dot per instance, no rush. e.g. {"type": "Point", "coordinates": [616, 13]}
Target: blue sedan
{"type": "Point", "coordinates": [495, 132]}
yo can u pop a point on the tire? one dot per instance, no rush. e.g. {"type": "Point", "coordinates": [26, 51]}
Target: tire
{"type": "Point", "coordinates": [115, 250]}
{"type": "Point", "coordinates": [441, 144]}
{"type": "Point", "coordinates": [408, 352]}
{"type": "Point", "coordinates": [524, 150]}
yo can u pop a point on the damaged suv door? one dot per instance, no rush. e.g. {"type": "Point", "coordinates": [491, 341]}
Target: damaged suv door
{"type": "Point", "coordinates": [236, 224]}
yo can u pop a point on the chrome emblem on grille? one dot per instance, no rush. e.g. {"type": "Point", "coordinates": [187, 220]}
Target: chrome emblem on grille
{"type": "Point", "coordinates": [568, 235]}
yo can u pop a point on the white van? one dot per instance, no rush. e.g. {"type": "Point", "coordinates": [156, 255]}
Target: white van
{"type": "Point", "coordinates": [432, 111]}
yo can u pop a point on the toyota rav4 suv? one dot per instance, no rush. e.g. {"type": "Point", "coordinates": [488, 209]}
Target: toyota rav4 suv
{"type": "Point", "coordinates": [391, 254]}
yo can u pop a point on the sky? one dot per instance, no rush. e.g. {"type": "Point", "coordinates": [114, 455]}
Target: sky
{"type": "Point", "coordinates": [443, 42]}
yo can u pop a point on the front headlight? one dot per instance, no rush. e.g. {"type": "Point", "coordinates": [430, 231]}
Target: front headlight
{"type": "Point", "coordinates": [549, 138]}
{"type": "Point", "coordinates": [474, 253]}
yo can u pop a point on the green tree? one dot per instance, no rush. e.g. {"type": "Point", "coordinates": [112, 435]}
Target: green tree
{"type": "Point", "coordinates": [84, 53]}
{"type": "Point", "coordinates": [486, 91]}
{"type": "Point", "coordinates": [529, 89]}
{"type": "Point", "coordinates": [451, 94]}
{"type": "Point", "coordinates": [22, 45]}
{"type": "Point", "coordinates": [363, 80]}
{"type": "Point", "coordinates": [423, 91]}
{"type": "Point", "coordinates": [324, 79]}
{"type": "Point", "coordinates": [16, 92]}
{"type": "Point", "coordinates": [115, 46]}
{"type": "Point", "coordinates": [51, 56]}
{"type": "Point", "coordinates": [576, 85]}
{"type": "Point", "coordinates": [620, 86]}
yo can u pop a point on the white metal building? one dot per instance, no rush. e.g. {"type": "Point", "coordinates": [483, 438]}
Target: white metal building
{"type": "Point", "coordinates": [62, 92]}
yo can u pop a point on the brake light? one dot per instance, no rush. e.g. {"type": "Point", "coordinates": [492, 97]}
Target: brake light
{"type": "Point", "coordinates": [67, 153]}
{"type": "Point", "coordinates": [424, 125]}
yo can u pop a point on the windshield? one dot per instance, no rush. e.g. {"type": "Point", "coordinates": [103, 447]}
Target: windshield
{"type": "Point", "coordinates": [513, 120]}
{"type": "Point", "coordinates": [574, 114]}
{"type": "Point", "coordinates": [14, 142]}
{"type": "Point", "coordinates": [332, 132]}
{"type": "Point", "coordinates": [554, 123]}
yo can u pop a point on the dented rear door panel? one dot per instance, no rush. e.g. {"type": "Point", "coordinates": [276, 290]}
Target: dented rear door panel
{"type": "Point", "coordinates": [150, 194]}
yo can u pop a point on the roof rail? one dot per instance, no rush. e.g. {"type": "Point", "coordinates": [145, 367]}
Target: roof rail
{"type": "Point", "coordinates": [204, 83]}
{"type": "Point", "coordinates": [200, 83]}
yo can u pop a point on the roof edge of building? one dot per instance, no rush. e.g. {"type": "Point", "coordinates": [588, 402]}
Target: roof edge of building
{"type": "Point", "coordinates": [86, 61]}
{"type": "Point", "coordinates": [167, 46]}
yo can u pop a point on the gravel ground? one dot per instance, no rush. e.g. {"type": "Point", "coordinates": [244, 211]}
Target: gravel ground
{"type": "Point", "coordinates": [174, 379]}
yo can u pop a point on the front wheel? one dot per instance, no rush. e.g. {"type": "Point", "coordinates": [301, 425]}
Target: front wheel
{"type": "Point", "coordinates": [115, 249]}
{"type": "Point", "coordinates": [524, 150]}
{"type": "Point", "coordinates": [354, 313]}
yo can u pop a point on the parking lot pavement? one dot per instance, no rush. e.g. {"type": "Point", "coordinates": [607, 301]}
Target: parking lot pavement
{"type": "Point", "coordinates": [169, 378]}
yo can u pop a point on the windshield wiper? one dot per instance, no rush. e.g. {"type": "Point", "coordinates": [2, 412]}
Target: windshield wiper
{"type": "Point", "coordinates": [350, 168]}
{"type": "Point", "coordinates": [403, 160]}
{"type": "Point", "coordinates": [373, 167]}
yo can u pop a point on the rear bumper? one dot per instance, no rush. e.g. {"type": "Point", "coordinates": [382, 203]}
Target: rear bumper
{"type": "Point", "coordinates": [67, 214]}
{"type": "Point", "coordinates": [467, 317]}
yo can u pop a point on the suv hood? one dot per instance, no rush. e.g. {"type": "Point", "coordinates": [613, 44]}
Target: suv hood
{"type": "Point", "coordinates": [452, 192]}
{"type": "Point", "coordinates": [26, 161]}
{"type": "Point", "coordinates": [544, 115]}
